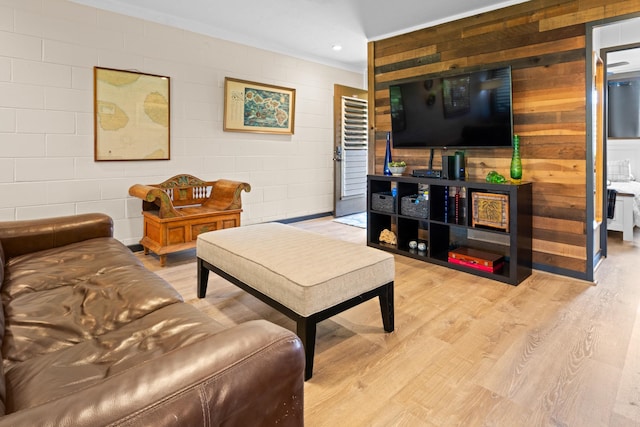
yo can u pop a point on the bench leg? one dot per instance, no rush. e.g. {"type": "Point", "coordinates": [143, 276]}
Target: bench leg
{"type": "Point", "coordinates": [306, 331]}
{"type": "Point", "coordinates": [386, 307]}
{"type": "Point", "coordinates": [203, 278]}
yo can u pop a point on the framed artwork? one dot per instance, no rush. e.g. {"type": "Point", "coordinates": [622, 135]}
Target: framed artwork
{"type": "Point", "coordinates": [491, 210]}
{"type": "Point", "coordinates": [257, 107]}
{"type": "Point", "coordinates": [131, 115]}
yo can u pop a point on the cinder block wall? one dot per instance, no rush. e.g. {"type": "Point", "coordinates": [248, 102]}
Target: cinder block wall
{"type": "Point", "coordinates": [47, 53]}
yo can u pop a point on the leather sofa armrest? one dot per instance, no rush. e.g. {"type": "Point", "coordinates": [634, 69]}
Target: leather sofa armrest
{"type": "Point", "coordinates": [251, 373]}
{"type": "Point", "coordinates": [26, 236]}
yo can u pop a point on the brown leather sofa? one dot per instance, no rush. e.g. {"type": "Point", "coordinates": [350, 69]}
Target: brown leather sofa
{"type": "Point", "coordinates": [90, 337]}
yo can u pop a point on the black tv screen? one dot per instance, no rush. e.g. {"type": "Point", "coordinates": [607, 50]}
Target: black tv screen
{"type": "Point", "coordinates": [465, 110]}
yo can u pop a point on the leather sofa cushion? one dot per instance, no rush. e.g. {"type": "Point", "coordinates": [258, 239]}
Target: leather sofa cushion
{"type": "Point", "coordinates": [115, 354]}
{"type": "Point", "coordinates": [243, 375]}
{"type": "Point", "coordinates": [55, 299]}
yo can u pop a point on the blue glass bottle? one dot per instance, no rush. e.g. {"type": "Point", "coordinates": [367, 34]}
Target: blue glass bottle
{"type": "Point", "coordinates": [387, 156]}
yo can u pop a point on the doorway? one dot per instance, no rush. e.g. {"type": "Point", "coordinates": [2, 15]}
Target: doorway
{"type": "Point", "coordinates": [615, 41]}
{"type": "Point", "coordinates": [622, 140]}
{"type": "Point", "coordinates": [350, 150]}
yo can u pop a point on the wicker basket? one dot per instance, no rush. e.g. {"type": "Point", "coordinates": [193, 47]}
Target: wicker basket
{"type": "Point", "coordinates": [409, 207]}
{"type": "Point", "coordinates": [383, 202]}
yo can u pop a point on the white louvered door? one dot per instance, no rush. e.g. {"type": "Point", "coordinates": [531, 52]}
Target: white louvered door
{"type": "Point", "coordinates": [355, 141]}
{"type": "Point", "coordinates": [350, 150]}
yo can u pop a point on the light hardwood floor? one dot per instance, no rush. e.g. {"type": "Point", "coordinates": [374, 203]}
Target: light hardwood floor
{"type": "Point", "coordinates": [553, 351]}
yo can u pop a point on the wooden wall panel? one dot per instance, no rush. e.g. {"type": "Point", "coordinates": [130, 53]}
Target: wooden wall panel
{"type": "Point", "coordinates": [544, 41]}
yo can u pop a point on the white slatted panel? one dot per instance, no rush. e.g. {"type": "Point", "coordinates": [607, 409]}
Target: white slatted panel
{"type": "Point", "coordinates": [355, 141]}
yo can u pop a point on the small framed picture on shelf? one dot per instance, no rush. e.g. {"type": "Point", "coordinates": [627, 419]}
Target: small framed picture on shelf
{"type": "Point", "coordinates": [491, 210]}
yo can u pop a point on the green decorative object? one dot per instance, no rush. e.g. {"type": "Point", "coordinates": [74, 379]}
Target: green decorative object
{"type": "Point", "coordinates": [495, 178]}
{"type": "Point", "coordinates": [516, 161]}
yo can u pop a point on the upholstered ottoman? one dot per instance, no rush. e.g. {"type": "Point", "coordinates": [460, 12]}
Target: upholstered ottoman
{"type": "Point", "coordinates": [307, 276]}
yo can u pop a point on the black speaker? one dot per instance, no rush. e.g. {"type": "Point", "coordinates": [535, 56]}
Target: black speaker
{"type": "Point", "coordinates": [448, 167]}
{"type": "Point", "coordinates": [458, 166]}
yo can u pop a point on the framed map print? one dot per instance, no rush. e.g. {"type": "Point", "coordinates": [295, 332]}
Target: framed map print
{"type": "Point", "coordinates": [256, 107]}
{"type": "Point", "coordinates": [131, 115]}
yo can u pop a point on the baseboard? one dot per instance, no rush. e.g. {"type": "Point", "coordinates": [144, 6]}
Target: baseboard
{"type": "Point", "coordinates": [303, 218]}
{"type": "Point", "coordinates": [139, 248]}
{"type": "Point", "coordinates": [135, 248]}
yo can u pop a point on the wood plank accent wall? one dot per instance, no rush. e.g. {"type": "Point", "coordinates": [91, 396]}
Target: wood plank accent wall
{"type": "Point", "coordinates": [544, 41]}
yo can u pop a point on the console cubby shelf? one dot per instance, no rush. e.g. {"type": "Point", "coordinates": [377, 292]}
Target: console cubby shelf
{"type": "Point", "coordinates": [449, 223]}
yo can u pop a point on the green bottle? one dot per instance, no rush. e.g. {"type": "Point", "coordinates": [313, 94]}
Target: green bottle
{"type": "Point", "coordinates": [516, 162]}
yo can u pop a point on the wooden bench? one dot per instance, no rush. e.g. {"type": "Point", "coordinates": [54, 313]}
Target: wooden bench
{"type": "Point", "coordinates": [178, 209]}
{"type": "Point", "coordinates": [307, 276]}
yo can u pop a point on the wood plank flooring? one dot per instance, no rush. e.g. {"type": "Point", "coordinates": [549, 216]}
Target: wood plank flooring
{"type": "Point", "coordinates": [467, 351]}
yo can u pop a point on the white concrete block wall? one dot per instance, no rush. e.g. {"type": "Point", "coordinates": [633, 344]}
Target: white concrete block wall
{"type": "Point", "coordinates": [47, 53]}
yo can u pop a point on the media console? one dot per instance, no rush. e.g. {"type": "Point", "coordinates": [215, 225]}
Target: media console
{"type": "Point", "coordinates": [492, 218]}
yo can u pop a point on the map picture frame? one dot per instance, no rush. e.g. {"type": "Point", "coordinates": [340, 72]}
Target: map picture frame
{"type": "Point", "coordinates": [132, 113]}
{"type": "Point", "coordinates": [258, 107]}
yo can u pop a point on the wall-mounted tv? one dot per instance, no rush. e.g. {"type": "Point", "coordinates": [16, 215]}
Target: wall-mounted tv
{"type": "Point", "coordinates": [464, 110]}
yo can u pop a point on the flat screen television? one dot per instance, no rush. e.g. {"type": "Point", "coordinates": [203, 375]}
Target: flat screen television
{"type": "Point", "coordinates": [465, 110]}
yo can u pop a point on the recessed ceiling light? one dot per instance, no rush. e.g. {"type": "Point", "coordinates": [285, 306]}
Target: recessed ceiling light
{"type": "Point", "coordinates": [336, 47]}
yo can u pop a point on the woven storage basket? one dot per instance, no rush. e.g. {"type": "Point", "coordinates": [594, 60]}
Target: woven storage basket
{"type": "Point", "coordinates": [409, 207]}
{"type": "Point", "coordinates": [383, 202]}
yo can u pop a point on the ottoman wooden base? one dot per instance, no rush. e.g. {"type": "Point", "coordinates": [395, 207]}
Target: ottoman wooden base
{"type": "Point", "coordinates": [306, 326]}
{"type": "Point", "coordinates": [280, 270]}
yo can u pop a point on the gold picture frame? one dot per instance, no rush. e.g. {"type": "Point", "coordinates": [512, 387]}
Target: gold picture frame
{"type": "Point", "coordinates": [257, 107]}
{"type": "Point", "coordinates": [491, 210]}
{"type": "Point", "coordinates": [131, 115]}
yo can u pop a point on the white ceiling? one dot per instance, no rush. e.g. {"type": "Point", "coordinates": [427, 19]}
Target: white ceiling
{"type": "Point", "coordinates": [305, 29]}
{"type": "Point", "coordinates": [623, 61]}
{"type": "Point", "coordinates": [619, 40]}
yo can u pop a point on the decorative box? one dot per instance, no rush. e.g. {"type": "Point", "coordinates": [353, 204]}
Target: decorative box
{"type": "Point", "coordinates": [488, 268]}
{"type": "Point", "coordinates": [477, 259]}
{"type": "Point", "coordinates": [383, 202]}
{"type": "Point", "coordinates": [476, 256]}
{"type": "Point", "coordinates": [491, 210]}
{"type": "Point", "coordinates": [414, 206]}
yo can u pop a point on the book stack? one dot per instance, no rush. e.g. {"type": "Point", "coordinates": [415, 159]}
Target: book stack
{"type": "Point", "coordinates": [446, 203]}
{"type": "Point", "coordinates": [457, 205]}
{"type": "Point", "coordinates": [477, 259]}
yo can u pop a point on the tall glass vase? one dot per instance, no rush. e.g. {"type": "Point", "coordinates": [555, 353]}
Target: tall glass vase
{"type": "Point", "coordinates": [516, 161]}
{"type": "Point", "coordinates": [387, 156]}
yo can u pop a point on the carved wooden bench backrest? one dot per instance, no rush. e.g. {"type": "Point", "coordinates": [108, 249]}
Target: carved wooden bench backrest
{"type": "Point", "coordinates": [186, 190]}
